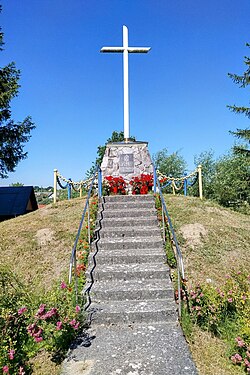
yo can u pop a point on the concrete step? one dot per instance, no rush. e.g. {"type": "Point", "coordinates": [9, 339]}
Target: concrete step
{"type": "Point", "coordinates": [138, 349]}
{"type": "Point", "coordinates": [121, 290]}
{"type": "Point", "coordinates": [129, 205]}
{"type": "Point", "coordinates": [133, 312]}
{"type": "Point", "coordinates": [130, 256]}
{"type": "Point", "coordinates": [129, 198]}
{"type": "Point", "coordinates": [127, 233]}
{"type": "Point", "coordinates": [142, 213]}
{"type": "Point", "coordinates": [132, 271]}
{"type": "Point", "coordinates": [128, 221]}
{"type": "Point", "coordinates": [131, 243]}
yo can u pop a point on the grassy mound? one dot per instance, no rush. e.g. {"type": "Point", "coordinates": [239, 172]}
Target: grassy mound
{"type": "Point", "coordinates": [215, 244]}
{"type": "Point", "coordinates": [214, 241]}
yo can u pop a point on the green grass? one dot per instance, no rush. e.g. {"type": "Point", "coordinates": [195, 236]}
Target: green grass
{"type": "Point", "coordinates": [214, 241]}
{"type": "Point", "coordinates": [37, 247]}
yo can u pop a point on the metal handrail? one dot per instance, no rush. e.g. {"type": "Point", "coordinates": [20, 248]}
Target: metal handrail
{"type": "Point", "coordinates": [180, 264]}
{"type": "Point", "coordinates": [86, 208]}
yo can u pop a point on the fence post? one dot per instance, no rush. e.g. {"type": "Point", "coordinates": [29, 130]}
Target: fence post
{"type": "Point", "coordinates": [69, 189]}
{"type": "Point", "coordinates": [173, 189]}
{"type": "Point", "coordinates": [155, 178]}
{"type": "Point", "coordinates": [81, 191]}
{"type": "Point", "coordinates": [200, 181]}
{"type": "Point", "coordinates": [185, 185]}
{"type": "Point", "coordinates": [99, 182]}
{"type": "Point", "coordinates": [55, 184]}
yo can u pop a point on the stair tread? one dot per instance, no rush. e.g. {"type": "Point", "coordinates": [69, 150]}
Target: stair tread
{"type": "Point", "coordinates": [133, 267]}
{"type": "Point", "coordinates": [134, 306]}
{"type": "Point", "coordinates": [120, 285]}
{"type": "Point", "coordinates": [132, 239]}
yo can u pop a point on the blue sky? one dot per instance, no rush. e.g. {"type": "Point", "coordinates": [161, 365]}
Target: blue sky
{"type": "Point", "coordinates": [178, 91]}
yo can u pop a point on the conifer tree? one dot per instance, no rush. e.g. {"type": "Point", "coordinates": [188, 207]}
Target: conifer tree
{"type": "Point", "coordinates": [13, 135]}
{"type": "Point", "coordinates": [243, 81]}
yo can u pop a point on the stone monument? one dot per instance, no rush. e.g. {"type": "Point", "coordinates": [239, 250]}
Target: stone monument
{"type": "Point", "coordinates": [127, 159]}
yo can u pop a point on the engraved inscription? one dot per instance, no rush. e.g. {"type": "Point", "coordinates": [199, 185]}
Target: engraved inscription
{"type": "Point", "coordinates": [126, 163]}
{"type": "Point", "coordinates": [110, 163]}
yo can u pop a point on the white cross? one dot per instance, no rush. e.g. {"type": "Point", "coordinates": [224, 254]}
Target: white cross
{"type": "Point", "coordinates": [126, 50]}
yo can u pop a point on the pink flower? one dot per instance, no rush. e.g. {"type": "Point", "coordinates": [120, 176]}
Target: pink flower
{"type": "Point", "coordinates": [40, 311]}
{"type": "Point", "coordinates": [63, 285]}
{"type": "Point", "coordinates": [236, 358]}
{"type": "Point", "coordinates": [78, 309]}
{"type": "Point", "coordinates": [230, 300]}
{"type": "Point", "coordinates": [73, 322]}
{"type": "Point", "coordinates": [11, 354]}
{"type": "Point", "coordinates": [59, 326]}
{"type": "Point", "coordinates": [240, 342]}
{"type": "Point", "coordinates": [5, 369]}
{"type": "Point", "coordinates": [22, 310]}
{"type": "Point", "coordinates": [21, 371]}
{"type": "Point", "coordinates": [38, 339]}
{"type": "Point", "coordinates": [247, 363]}
{"type": "Point", "coordinates": [76, 326]}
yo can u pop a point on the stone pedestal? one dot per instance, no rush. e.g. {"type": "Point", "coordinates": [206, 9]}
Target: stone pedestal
{"type": "Point", "coordinates": [127, 160]}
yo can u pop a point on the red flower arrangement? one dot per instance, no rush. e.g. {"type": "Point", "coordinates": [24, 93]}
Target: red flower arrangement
{"type": "Point", "coordinates": [142, 184]}
{"type": "Point", "coordinates": [116, 185]}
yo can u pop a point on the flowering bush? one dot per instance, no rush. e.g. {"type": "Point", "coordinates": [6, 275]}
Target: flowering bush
{"type": "Point", "coordinates": [225, 311]}
{"type": "Point", "coordinates": [26, 328]}
{"type": "Point", "coordinates": [142, 184]}
{"type": "Point", "coordinates": [50, 321]}
{"type": "Point", "coordinates": [114, 185]}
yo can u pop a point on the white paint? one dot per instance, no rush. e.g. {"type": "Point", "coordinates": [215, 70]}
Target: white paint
{"type": "Point", "coordinates": [125, 49]}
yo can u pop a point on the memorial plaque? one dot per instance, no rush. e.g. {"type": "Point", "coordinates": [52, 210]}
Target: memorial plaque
{"type": "Point", "coordinates": [126, 163]}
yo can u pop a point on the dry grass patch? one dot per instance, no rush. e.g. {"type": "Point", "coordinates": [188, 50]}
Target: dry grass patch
{"type": "Point", "coordinates": [210, 354]}
{"type": "Point", "coordinates": [213, 239]}
{"type": "Point", "coordinates": [37, 246]}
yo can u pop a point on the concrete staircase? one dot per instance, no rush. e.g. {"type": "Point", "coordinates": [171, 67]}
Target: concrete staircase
{"type": "Point", "coordinates": [134, 326]}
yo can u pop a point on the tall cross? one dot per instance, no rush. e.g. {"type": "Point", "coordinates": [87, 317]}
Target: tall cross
{"type": "Point", "coordinates": [125, 49]}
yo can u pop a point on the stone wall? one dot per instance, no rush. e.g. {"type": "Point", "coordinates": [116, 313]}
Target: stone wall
{"type": "Point", "coordinates": [126, 159]}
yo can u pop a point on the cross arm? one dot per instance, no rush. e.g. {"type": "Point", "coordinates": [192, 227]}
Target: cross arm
{"type": "Point", "coordinates": [112, 49]}
{"type": "Point", "coordinates": [138, 49]}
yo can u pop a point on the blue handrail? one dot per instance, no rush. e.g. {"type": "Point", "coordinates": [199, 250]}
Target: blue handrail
{"type": "Point", "coordinates": [180, 265]}
{"type": "Point", "coordinates": [86, 207]}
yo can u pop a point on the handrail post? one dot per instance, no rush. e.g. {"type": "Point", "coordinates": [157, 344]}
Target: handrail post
{"type": "Point", "coordinates": [163, 223]}
{"type": "Point", "coordinates": [88, 224]}
{"type": "Point", "coordinates": [99, 182]}
{"type": "Point", "coordinates": [69, 189]}
{"type": "Point", "coordinates": [200, 181]}
{"type": "Point", "coordinates": [185, 185]}
{"type": "Point", "coordinates": [173, 189]}
{"type": "Point", "coordinates": [55, 185]}
{"type": "Point", "coordinates": [155, 177]}
{"type": "Point", "coordinates": [76, 280]}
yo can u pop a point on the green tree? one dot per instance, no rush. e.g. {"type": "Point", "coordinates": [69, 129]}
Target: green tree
{"type": "Point", "coordinates": [172, 165]}
{"type": "Point", "coordinates": [115, 137]}
{"type": "Point", "coordinates": [243, 81]}
{"type": "Point", "coordinates": [231, 182]}
{"type": "Point", "coordinates": [208, 163]}
{"type": "Point", "coordinates": [13, 135]}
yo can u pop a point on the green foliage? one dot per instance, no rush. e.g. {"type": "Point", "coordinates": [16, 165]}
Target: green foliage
{"type": "Point", "coordinates": [243, 81]}
{"type": "Point", "coordinates": [115, 137]}
{"type": "Point", "coordinates": [49, 321]}
{"type": "Point", "coordinates": [207, 161]}
{"type": "Point", "coordinates": [225, 312]}
{"type": "Point", "coordinates": [231, 182]}
{"type": "Point", "coordinates": [13, 135]}
{"type": "Point", "coordinates": [172, 165]}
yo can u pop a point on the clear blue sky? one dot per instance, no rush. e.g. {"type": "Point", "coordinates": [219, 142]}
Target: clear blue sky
{"type": "Point", "coordinates": [178, 91]}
